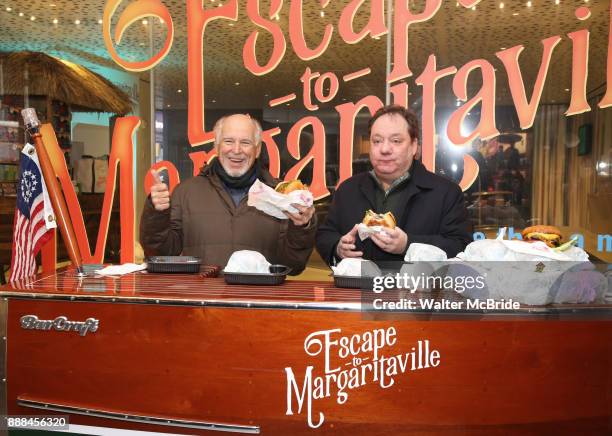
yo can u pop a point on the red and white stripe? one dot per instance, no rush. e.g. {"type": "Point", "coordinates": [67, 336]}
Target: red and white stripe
{"type": "Point", "coordinates": [28, 237]}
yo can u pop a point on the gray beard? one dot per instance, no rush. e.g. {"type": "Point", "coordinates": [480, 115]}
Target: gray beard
{"type": "Point", "coordinates": [235, 173]}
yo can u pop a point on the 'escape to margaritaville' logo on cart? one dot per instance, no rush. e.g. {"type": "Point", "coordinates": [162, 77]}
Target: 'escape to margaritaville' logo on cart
{"type": "Point", "coordinates": [61, 324]}
{"type": "Point", "coordinates": [352, 362]}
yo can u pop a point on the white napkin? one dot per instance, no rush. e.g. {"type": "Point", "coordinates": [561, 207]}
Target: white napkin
{"type": "Point", "coordinates": [266, 199]}
{"type": "Point", "coordinates": [119, 270]}
{"type": "Point", "coordinates": [353, 267]}
{"type": "Point", "coordinates": [247, 261]}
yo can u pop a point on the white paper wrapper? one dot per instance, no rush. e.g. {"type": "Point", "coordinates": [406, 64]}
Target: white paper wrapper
{"type": "Point", "coordinates": [365, 232]}
{"type": "Point", "coordinates": [267, 200]}
{"type": "Point", "coordinates": [247, 261]}
{"type": "Point", "coordinates": [579, 283]}
{"type": "Point", "coordinates": [558, 282]}
{"type": "Point", "coordinates": [418, 252]}
{"type": "Point", "coordinates": [515, 250]}
{"type": "Point", "coordinates": [353, 267]}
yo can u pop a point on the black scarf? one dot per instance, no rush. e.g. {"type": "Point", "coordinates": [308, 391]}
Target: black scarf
{"type": "Point", "coordinates": [241, 182]}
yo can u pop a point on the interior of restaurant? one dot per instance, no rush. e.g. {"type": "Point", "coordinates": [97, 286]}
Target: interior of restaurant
{"type": "Point", "coordinates": [557, 171]}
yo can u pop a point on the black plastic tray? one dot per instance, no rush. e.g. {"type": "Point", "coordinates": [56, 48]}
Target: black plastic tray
{"type": "Point", "coordinates": [277, 275]}
{"type": "Point", "coordinates": [174, 264]}
{"type": "Point", "coordinates": [353, 282]}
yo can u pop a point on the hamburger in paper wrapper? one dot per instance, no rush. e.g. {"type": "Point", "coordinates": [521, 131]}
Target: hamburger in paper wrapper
{"type": "Point", "coordinates": [275, 201]}
{"type": "Point", "coordinates": [375, 223]}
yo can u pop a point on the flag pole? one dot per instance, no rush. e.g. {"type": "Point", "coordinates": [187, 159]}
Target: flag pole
{"type": "Point", "coordinates": [32, 125]}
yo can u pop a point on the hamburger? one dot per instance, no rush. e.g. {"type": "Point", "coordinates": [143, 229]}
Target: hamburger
{"type": "Point", "coordinates": [550, 235]}
{"type": "Point", "coordinates": [372, 219]}
{"type": "Point", "coordinates": [289, 186]}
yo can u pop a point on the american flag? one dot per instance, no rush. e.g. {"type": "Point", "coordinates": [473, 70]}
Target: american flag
{"type": "Point", "coordinates": [33, 216]}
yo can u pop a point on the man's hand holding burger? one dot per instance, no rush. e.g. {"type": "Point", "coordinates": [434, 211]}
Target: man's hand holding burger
{"type": "Point", "coordinates": [304, 214]}
{"type": "Point", "coordinates": [160, 196]}
{"type": "Point", "coordinates": [392, 241]}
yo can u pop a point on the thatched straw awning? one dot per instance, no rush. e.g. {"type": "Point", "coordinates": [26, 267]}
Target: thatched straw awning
{"type": "Point", "coordinates": [62, 80]}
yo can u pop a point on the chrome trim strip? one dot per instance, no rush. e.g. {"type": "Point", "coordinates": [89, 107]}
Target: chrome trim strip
{"type": "Point", "coordinates": [3, 359]}
{"type": "Point", "coordinates": [200, 425]}
{"type": "Point", "coordinates": [308, 305]}
{"type": "Point", "coordinates": [602, 311]}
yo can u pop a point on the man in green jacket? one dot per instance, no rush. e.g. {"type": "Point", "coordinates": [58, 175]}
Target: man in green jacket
{"type": "Point", "coordinates": [208, 216]}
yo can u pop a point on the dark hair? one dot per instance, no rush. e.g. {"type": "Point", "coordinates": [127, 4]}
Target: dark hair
{"type": "Point", "coordinates": [407, 114]}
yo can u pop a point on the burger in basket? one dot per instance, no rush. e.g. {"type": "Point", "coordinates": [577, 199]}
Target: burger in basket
{"type": "Point", "coordinates": [550, 235]}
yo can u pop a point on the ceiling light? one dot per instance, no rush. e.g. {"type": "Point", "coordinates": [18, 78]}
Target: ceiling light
{"type": "Point", "coordinates": [502, 48]}
{"type": "Point", "coordinates": [55, 21]}
{"type": "Point", "coordinates": [8, 9]}
{"type": "Point", "coordinates": [145, 22]}
{"type": "Point", "coordinates": [167, 105]}
{"type": "Point", "coordinates": [32, 18]}
{"type": "Point", "coordinates": [237, 83]}
{"type": "Point", "coordinates": [322, 14]}
{"type": "Point", "coordinates": [214, 101]}
{"type": "Point", "coordinates": [99, 21]}
{"type": "Point", "coordinates": [473, 8]}
{"type": "Point", "coordinates": [566, 89]}
{"type": "Point", "coordinates": [231, 24]}
{"type": "Point", "coordinates": [501, 5]}
{"type": "Point", "coordinates": [515, 14]}
{"type": "Point", "coordinates": [529, 4]}
{"type": "Point", "coordinates": [454, 167]}
{"type": "Point", "coordinates": [77, 22]}
{"type": "Point", "coordinates": [21, 14]}
{"type": "Point", "coordinates": [141, 44]}
{"type": "Point", "coordinates": [161, 21]}
{"type": "Point", "coordinates": [52, 5]}
{"type": "Point", "coordinates": [179, 90]}
{"type": "Point", "coordinates": [557, 2]}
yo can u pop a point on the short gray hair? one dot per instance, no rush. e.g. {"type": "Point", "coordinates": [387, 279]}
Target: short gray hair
{"type": "Point", "coordinates": [219, 127]}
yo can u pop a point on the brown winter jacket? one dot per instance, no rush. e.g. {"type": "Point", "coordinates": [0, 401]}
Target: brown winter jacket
{"type": "Point", "coordinates": [203, 221]}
